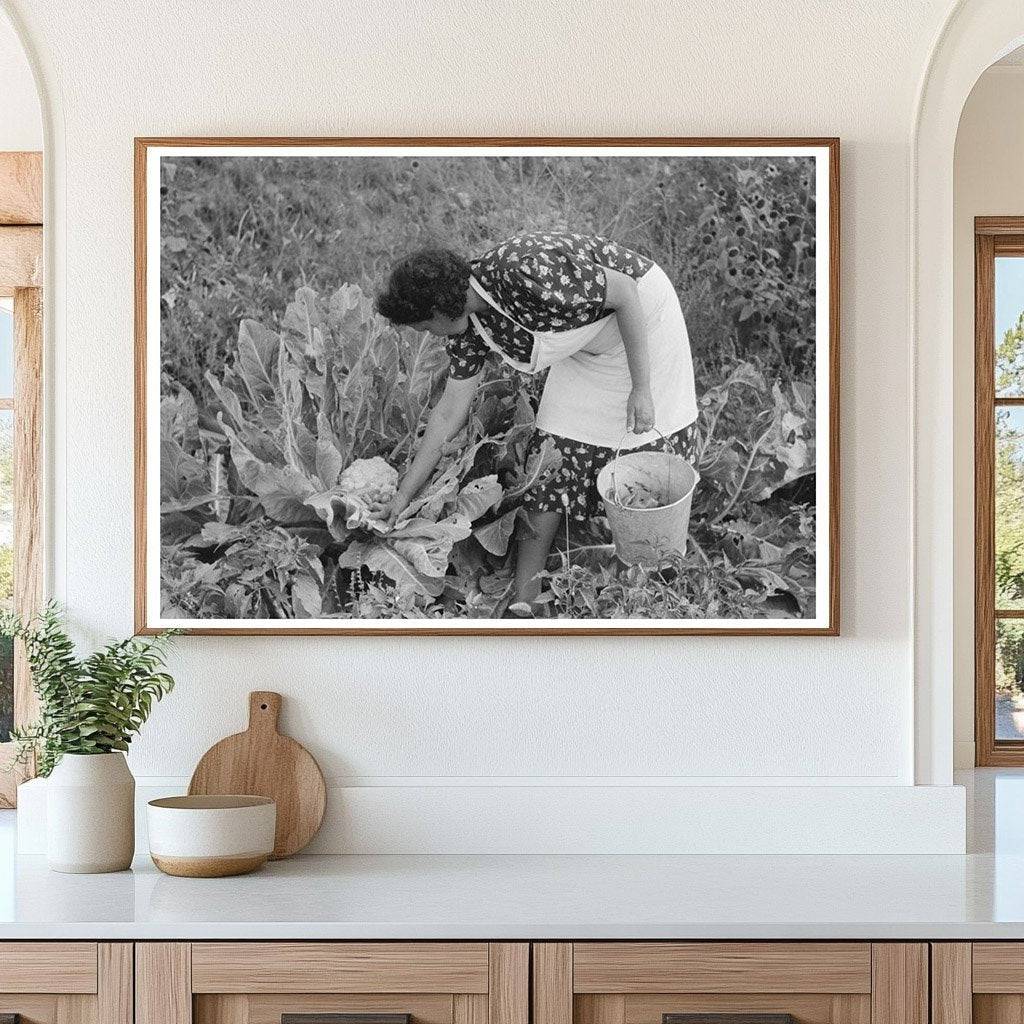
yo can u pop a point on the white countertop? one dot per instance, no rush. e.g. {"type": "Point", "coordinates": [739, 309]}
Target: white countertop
{"type": "Point", "coordinates": [532, 897]}
{"type": "Point", "coordinates": [978, 896]}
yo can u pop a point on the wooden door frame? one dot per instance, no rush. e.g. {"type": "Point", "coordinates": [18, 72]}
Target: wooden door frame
{"type": "Point", "coordinates": [993, 236]}
{"type": "Point", "coordinates": [21, 271]}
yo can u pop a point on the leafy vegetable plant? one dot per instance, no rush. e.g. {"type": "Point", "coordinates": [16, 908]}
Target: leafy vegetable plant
{"type": "Point", "coordinates": [90, 705]}
{"type": "Point", "coordinates": [265, 499]}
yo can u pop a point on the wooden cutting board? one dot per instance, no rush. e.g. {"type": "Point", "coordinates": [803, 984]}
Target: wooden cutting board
{"type": "Point", "coordinates": [262, 762]}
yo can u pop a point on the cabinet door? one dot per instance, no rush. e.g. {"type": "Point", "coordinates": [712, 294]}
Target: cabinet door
{"type": "Point", "coordinates": [66, 982]}
{"type": "Point", "coordinates": [738, 982]}
{"type": "Point", "coordinates": [332, 983]}
{"type": "Point", "coordinates": [981, 982]}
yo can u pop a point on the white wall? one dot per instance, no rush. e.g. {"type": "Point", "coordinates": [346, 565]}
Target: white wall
{"type": "Point", "coordinates": [446, 713]}
{"type": "Point", "coordinates": [21, 125]}
{"type": "Point", "coordinates": [988, 181]}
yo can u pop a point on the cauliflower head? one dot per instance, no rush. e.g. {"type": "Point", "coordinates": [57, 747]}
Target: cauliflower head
{"type": "Point", "coordinates": [363, 483]}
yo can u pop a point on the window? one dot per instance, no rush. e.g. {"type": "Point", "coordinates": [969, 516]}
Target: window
{"type": "Point", "coordinates": [999, 490]}
{"type": "Point", "coordinates": [21, 349]}
{"type": "Point", "coordinates": [6, 510]}
{"type": "Point", "coordinates": [20, 491]}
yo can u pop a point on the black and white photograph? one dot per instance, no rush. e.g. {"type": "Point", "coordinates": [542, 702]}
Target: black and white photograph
{"type": "Point", "coordinates": [442, 387]}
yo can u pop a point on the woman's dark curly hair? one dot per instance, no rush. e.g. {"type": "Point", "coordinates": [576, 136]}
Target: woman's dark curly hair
{"type": "Point", "coordinates": [422, 282]}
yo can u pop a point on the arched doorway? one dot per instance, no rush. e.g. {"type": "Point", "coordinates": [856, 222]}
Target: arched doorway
{"type": "Point", "coordinates": [976, 34]}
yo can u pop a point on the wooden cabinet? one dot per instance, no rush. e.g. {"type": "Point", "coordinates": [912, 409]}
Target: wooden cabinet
{"type": "Point", "coordinates": [646, 982]}
{"type": "Point", "coordinates": [66, 982]}
{"type": "Point", "coordinates": [494, 983]}
{"type": "Point", "coordinates": [980, 982]}
{"type": "Point", "coordinates": [260, 982]}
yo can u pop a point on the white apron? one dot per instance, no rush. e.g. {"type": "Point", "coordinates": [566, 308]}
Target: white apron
{"type": "Point", "coordinates": [588, 383]}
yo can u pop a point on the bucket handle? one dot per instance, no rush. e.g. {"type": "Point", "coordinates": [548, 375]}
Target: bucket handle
{"type": "Point", "coordinates": [618, 452]}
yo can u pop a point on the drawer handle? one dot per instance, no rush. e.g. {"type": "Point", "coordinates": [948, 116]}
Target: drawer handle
{"type": "Point", "coordinates": [728, 1018]}
{"type": "Point", "coordinates": [340, 1018]}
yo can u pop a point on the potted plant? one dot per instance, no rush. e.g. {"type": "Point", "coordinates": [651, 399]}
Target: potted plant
{"type": "Point", "coordinates": [89, 709]}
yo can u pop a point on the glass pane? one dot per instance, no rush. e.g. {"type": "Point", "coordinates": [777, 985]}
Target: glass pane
{"type": "Point", "coordinates": [6, 567]}
{"type": "Point", "coordinates": [6, 348]}
{"type": "Point", "coordinates": [1009, 524]}
{"type": "Point", "coordinates": [1009, 324]}
{"type": "Point", "coordinates": [1009, 679]}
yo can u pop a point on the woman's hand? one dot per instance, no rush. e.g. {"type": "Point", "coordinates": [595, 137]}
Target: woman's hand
{"type": "Point", "coordinates": [444, 421]}
{"type": "Point", "coordinates": [389, 511]}
{"type": "Point", "coordinates": [640, 411]}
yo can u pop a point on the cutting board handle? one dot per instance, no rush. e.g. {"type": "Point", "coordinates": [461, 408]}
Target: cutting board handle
{"type": "Point", "coordinates": [264, 710]}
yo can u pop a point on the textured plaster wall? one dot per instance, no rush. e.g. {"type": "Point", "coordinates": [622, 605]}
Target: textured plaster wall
{"type": "Point", "coordinates": [21, 124]}
{"type": "Point", "coordinates": [735, 711]}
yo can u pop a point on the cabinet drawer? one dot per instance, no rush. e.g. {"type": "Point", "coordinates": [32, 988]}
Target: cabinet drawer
{"type": "Point", "coordinates": [48, 967]}
{"type": "Point", "coordinates": [998, 967]}
{"type": "Point", "coordinates": [630, 967]}
{"type": "Point", "coordinates": [66, 982]}
{"type": "Point", "coordinates": [262, 982]}
{"type": "Point", "coordinates": [340, 967]}
{"type": "Point", "coordinates": [749, 982]}
{"type": "Point", "coordinates": [981, 982]}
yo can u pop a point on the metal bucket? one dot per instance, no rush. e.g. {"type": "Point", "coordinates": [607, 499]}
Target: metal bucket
{"type": "Point", "coordinates": [647, 535]}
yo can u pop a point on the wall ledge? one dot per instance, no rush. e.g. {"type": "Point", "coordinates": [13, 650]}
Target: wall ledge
{"type": "Point", "coordinates": [602, 819]}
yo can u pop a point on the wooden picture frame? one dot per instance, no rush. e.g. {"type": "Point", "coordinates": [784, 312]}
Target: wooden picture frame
{"type": "Point", "coordinates": [826, 620]}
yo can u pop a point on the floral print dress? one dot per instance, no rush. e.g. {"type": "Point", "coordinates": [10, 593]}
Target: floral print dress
{"type": "Point", "coordinates": [548, 282]}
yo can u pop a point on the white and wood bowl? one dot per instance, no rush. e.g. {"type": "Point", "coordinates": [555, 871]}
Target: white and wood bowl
{"type": "Point", "coordinates": [211, 836]}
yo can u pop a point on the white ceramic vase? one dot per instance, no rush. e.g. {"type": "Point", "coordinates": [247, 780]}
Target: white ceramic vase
{"type": "Point", "coordinates": [90, 814]}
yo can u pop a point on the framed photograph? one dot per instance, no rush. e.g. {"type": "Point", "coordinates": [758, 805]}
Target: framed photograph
{"type": "Point", "coordinates": [487, 386]}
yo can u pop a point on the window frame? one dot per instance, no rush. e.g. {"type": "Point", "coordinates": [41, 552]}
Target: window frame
{"type": "Point", "coordinates": [21, 252]}
{"type": "Point", "coordinates": [993, 237]}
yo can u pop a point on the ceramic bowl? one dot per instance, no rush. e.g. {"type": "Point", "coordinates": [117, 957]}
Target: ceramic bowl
{"type": "Point", "coordinates": [211, 836]}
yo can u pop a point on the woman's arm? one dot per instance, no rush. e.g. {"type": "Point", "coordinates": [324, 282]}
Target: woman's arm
{"type": "Point", "coordinates": [623, 297]}
{"type": "Point", "coordinates": [445, 420]}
